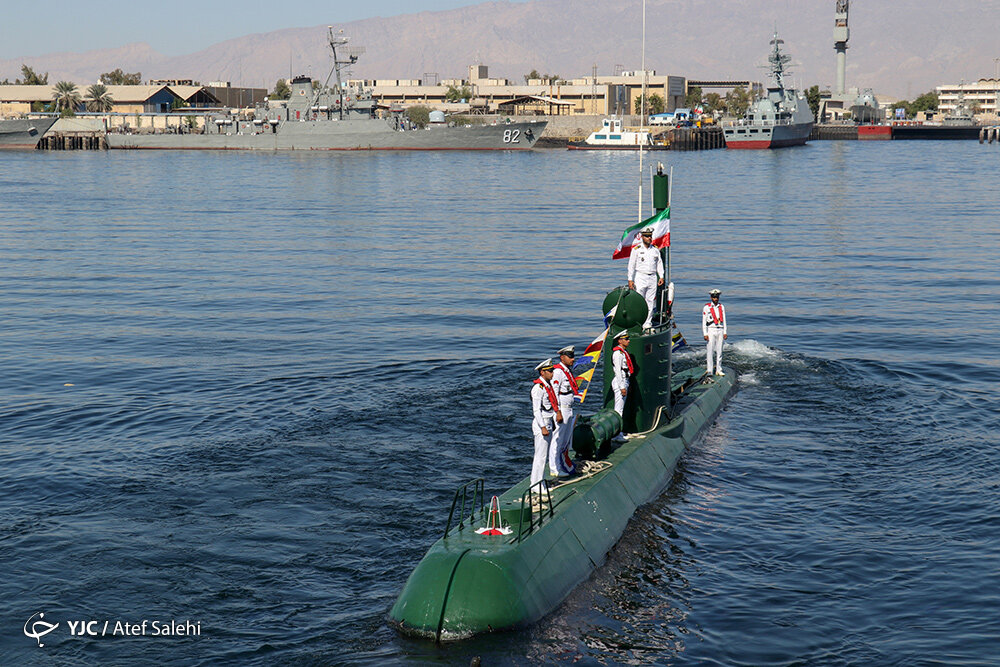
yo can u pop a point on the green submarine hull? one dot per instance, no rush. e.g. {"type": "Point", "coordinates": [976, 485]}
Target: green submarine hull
{"type": "Point", "coordinates": [469, 583]}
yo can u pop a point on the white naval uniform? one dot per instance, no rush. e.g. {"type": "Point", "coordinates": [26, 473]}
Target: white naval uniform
{"type": "Point", "coordinates": [564, 431]}
{"type": "Point", "coordinates": [645, 267]}
{"type": "Point", "coordinates": [620, 380]}
{"type": "Point", "coordinates": [715, 333]}
{"type": "Point", "coordinates": [544, 415]}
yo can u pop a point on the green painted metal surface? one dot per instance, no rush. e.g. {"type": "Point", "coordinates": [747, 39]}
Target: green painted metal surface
{"type": "Point", "coordinates": [469, 583]}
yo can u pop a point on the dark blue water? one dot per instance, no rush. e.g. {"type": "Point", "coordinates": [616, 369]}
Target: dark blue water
{"type": "Point", "coordinates": [239, 390]}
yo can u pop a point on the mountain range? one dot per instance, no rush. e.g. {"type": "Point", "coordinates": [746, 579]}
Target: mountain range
{"type": "Point", "coordinates": [895, 48]}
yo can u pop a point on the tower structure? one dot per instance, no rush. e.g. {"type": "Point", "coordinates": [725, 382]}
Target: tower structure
{"type": "Point", "coordinates": [841, 34]}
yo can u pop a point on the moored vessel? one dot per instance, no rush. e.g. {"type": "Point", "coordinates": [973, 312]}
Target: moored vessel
{"type": "Point", "coordinates": [23, 133]}
{"type": "Point", "coordinates": [613, 136]}
{"type": "Point", "coordinates": [342, 118]}
{"type": "Point", "coordinates": [781, 118]}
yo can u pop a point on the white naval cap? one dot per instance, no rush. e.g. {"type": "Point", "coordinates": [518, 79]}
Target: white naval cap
{"type": "Point", "coordinates": [569, 349]}
{"type": "Point", "coordinates": [647, 230]}
{"type": "Point", "coordinates": [546, 365]}
{"type": "Point", "coordinates": [620, 334]}
{"type": "Point", "coordinates": [714, 292]}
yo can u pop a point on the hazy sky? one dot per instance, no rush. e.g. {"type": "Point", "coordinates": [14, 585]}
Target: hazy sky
{"type": "Point", "coordinates": [179, 27]}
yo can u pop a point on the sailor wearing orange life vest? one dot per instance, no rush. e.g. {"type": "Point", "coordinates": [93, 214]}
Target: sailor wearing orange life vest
{"type": "Point", "coordinates": [545, 406]}
{"type": "Point", "coordinates": [713, 328]}
{"type": "Point", "coordinates": [645, 272]}
{"type": "Point", "coordinates": [566, 392]}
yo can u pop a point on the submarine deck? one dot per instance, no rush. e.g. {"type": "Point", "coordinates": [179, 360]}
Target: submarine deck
{"type": "Point", "coordinates": [469, 583]}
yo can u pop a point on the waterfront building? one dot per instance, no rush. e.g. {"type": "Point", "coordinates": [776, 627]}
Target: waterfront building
{"type": "Point", "coordinates": [17, 100]}
{"type": "Point", "coordinates": [602, 95]}
{"type": "Point", "coordinates": [984, 93]}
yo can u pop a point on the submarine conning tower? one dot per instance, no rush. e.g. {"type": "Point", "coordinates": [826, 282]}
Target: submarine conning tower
{"type": "Point", "coordinates": [649, 399]}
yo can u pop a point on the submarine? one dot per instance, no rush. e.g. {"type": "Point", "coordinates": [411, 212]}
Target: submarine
{"type": "Point", "coordinates": [505, 563]}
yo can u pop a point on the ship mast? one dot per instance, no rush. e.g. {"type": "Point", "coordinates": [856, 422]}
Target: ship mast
{"type": "Point", "coordinates": [778, 61]}
{"type": "Point", "coordinates": [338, 40]}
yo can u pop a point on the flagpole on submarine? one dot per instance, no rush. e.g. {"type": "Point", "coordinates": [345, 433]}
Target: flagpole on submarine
{"type": "Point", "coordinates": [642, 105]}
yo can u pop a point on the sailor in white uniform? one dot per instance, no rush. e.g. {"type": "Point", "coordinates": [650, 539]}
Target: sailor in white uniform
{"type": "Point", "coordinates": [645, 272]}
{"type": "Point", "coordinates": [566, 391]}
{"type": "Point", "coordinates": [713, 328]}
{"type": "Point", "coordinates": [621, 363]}
{"type": "Point", "coordinates": [545, 407]}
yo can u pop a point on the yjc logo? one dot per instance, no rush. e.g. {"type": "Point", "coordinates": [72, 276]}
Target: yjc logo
{"type": "Point", "coordinates": [39, 628]}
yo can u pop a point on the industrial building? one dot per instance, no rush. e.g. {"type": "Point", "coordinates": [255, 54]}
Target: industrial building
{"type": "Point", "coordinates": [984, 94]}
{"type": "Point", "coordinates": [616, 94]}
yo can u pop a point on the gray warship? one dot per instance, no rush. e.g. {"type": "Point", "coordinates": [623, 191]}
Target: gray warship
{"type": "Point", "coordinates": [23, 133]}
{"type": "Point", "coordinates": [783, 118]}
{"type": "Point", "coordinates": [342, 118]}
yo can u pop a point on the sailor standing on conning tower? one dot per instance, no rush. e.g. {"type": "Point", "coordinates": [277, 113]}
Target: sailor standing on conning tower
{"type": "Point", "coordinates": [713, 328]}
{"type": "Point", "coordinates": [566, 391]}
{"type": "Point", "coordinates": [645, 272]}
{"type": "Point", "coordinates": [545, 406]}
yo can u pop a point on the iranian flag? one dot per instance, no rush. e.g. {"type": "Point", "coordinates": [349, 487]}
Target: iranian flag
{"type": "Point", "coordinates": [630, 239]}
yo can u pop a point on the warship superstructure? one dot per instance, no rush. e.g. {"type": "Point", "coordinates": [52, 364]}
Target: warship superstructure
{"type": "Point", "coordinates": [342, 118]}
{"type": "Point", "coordinates": [782, 118]}
{"type": "Point", "coordinates": [23, 133]}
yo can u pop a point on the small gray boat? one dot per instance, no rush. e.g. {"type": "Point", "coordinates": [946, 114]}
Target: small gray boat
{"type": "Point", "coordinates": [23, 133]}
{"type": "Point", "coordinates": [340, 118]}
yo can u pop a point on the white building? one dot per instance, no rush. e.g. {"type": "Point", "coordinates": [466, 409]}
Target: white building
{"type": "Point", "coordinates": [983, 94]}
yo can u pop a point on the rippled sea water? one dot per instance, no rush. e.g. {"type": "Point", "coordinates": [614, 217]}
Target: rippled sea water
{"type": "Point", "coordinates": [240, 389]}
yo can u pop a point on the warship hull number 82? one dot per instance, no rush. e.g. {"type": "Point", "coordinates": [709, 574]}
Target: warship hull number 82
{"type": "Point", "coordinates": [343, 118]}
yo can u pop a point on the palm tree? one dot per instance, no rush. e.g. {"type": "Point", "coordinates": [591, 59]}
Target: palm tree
{"type": "Point", "coordinates": [66, 97]}
{"type": "Point", "coordinates": [99, 99]}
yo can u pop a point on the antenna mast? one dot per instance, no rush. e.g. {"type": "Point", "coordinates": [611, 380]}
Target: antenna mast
{"type": "Point", "coordinates": [337, 40]}
{"type": "Point", "coordinates": [642, 104]}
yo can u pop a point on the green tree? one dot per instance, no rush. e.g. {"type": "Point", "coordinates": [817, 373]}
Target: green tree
{"type": "Point", "coordinates": [30, 78]}
{"type": "Point", "coordinates": [812, 97]}
{"type": "Point", "coordinates": [693, 97]}
{"type": "Point", "coordinates": [419, 115]}
{"type": "Point", "coordinates": [455, 94]}
{"type": "Point", "coordinates": [66, 97]}
{"type": "Point", "coordinates": [119, 78]}
{"type": "Point", "coordinates": [738, 101]}
{"type": "Point", "coordinates": [99, 99]}
{"type": "Point", "coordinates": [926, 102]}
{"type": "Point", "coordinates": [281, 90]}
{"type": "Point", "coordinates": [533, 74]}
{"type": "Point", "coordinates": [714, 102]}
{"type": "Point", "coordinates": [654, 104]}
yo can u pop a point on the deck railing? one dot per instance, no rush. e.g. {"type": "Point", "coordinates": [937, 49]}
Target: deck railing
{"type": "Point", "coordinates": [468, 506]}
{"type": "Point", "coordinates": [537, 494]}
